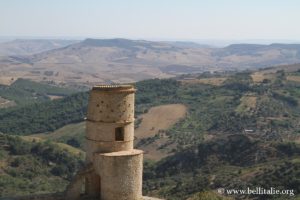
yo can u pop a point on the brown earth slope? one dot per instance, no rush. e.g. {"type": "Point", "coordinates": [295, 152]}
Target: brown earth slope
{"type": "Point", "coordinates": [156, 121]}
{"type": "Point", "coordinates": [95, 61]}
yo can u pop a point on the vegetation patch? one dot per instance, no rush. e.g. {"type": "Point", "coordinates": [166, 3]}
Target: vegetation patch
{"type": "Point", "coordinates": [24, 91]}
{"type": "Point", "coordinates": [248, 104]}
{"type": "Point", "coordinates": [34, 167]}
{"type": "Point", "coordinates": [210, 81]}
{"type": "Point", "coordinates": [242, 150]}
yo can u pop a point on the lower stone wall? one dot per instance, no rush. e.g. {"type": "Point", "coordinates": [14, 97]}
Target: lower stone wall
{"type": "Point", "coordinates": [121, 174]}
{"type": "Point", "coordinates": [151, 198]}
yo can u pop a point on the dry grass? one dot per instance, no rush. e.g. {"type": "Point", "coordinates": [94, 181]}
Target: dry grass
{"type": "Point", "coordinates": [208, 137]}
{"type": "Point", "coordinates": [63, 146]}
{"type": "Point", "coordinates": [77, 65]}
{"type": "Point", "coordinates": [4, 103]}
{"type": "Point", "coordinates": [293, 78]}
{"type": "Point", "coordinates": [7, 80]}
{"type": "Point", "coordinates": [209, 81]}
{"type": "Point", "coordinates": [3, 165]}
{"type": "Point", "coordinates": [53, 97]}
{"type": "Point", "coordinates": [158, 118]}
{"type": "Point", "coordinates": [32, 139]}
{"type": "Point", "coordinates": [257, 77]}
{"type": "Point", "coordinates": [68, 130]}
{"type": "Point", "coordinates": [247, 104]}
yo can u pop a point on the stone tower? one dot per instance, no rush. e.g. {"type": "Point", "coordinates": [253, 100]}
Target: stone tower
{"type": "Point", "coordinates": [117, 167]}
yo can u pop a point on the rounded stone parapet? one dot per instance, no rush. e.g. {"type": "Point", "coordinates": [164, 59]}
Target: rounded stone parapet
{"type": "Point", "coordinates": [151, 198]}
{"type": "Point", "coordinates": [120, 174]}
{"type": "Point", "coordinates": [111, 104]}
{"type": "Point", "coordinates": [93, 147]}
{"type": "Point", "coordinates": [114, 88]}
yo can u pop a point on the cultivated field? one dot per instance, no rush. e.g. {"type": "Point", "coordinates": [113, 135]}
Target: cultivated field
{"type": "Point", "coordinates": [209, 81]}
{"type": "Point", "coordinates": [7, 80]}
{"type": "Point", "coordinates": [293, 78]}
{"type": "Point", "coordinates": [258, 77]}
{"type": "Point", "coordinates": [4, 103]}
{"type": "Point", "coordinates": [247, 104]}
{"type": "Point", "coordinates": [157, 120]}
{"type": "Point", "coordinates": [69, 130]}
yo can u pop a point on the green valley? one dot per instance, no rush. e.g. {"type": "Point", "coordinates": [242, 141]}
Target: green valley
{"type": "Point", "coordinates": [240, 132]}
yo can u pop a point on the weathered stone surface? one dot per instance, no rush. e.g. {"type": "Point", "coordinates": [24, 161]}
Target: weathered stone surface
{"type": "Point", "coordinates": [111, 105]}
{"type": "Point", "coordinates": [150, 198]}
{"type": "Point", "coordinates": [105, 147]}
{"type": "Point", "coordinates": [73, 190]}
{"type": "Point", "coordinates": [109, 144]}
{"type": "Point", "coordinates": [121, 174]}
{"type": "Point", "coordinates": [99, 131]}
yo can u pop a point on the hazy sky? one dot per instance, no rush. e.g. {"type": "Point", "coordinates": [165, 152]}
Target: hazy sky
{"type": "Point", "coordinates": [152, 19]}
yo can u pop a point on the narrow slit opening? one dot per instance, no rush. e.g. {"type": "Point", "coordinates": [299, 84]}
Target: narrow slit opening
{"type": "Point", "coordinates": [119, 134]}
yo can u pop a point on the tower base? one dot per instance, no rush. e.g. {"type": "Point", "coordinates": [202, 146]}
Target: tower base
{"type": "Point", "coordinates": [120, 174]}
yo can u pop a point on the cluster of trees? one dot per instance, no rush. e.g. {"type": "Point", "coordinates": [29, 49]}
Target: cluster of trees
{"type": "Point", "coordinates": [155, 92]}
{"type": "Point", "coordinates": [62, 163]}
{"type": "Point", "coordinates": [210, 107]}
{"type": "Point", "coordinates": [47, 116]}
{"type": "Point", "coordinates": [228, 159]}
{"type": "Point", "coordinates": [24, 91]}
{"type": "Point", "coordinates": [280, 176]}
{"type": "Point", "coordinates": [35, 166]}
{"type": "Point", "coordinates": [44, 116]}
{"type": "Point", "coordinates": [213, 109]}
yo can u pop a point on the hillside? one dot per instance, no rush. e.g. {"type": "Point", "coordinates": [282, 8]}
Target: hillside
{"type": "Point", "coordinates": [32, 118]}
{"type": "Point", "coordinates": [120, 60]}
{"type": "Point", "coordinates": [34, 167]}
{"type": "Point", "coordinates": [155, 123]}
{"type": "Point", "coordinates": [23, 91]}
{"type": "Point", "coordinates": [229, 163]}
{"type": "Point", "coordinates": [242, 131]}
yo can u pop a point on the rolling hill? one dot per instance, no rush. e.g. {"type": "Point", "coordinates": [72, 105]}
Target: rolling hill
{"type": "Point", "coordinates": [32, 166]}
{"type": "Point", "coordinates": [23, 91]}
{"type": "Point", "coordinates": [242, 131]}
{"type": "Point", "coordinates": [120, 60]}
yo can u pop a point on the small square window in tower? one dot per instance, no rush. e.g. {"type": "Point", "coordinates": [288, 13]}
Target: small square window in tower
{"type": "Point", "coordinates": [119, 134]}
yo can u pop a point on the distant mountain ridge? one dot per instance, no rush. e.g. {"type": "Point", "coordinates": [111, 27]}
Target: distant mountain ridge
{"type": "Point", "coordinates": [93, 61]}
{"type": "Point", "coordinates": [185, 44]}
{"type": "Point", "coordinates": [255, 47]}
{"type": "Point", "coordinates": [121, 43]}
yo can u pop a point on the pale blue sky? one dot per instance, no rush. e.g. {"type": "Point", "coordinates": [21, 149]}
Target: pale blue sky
{"type": "Point", "coordinates": [152, 19]}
